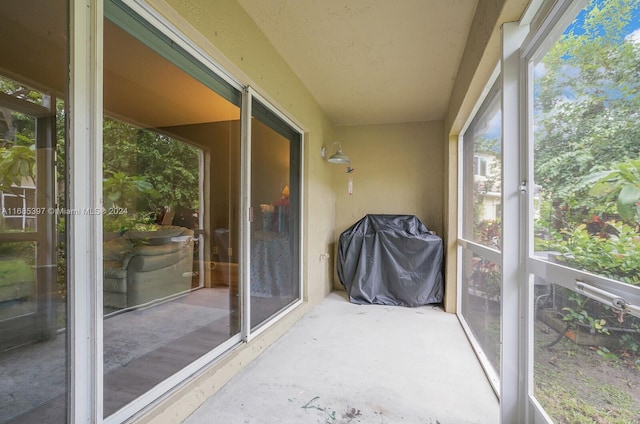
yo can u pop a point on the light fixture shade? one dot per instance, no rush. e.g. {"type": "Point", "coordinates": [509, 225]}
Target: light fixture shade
{"type": "Point", "coordinates": [339, 157]}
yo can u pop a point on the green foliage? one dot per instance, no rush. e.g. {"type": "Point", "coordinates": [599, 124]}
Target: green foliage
{"type": "Point", "coordinates": [628, 344]}
{"type": "Point", "coordinates": [489, 233]}
{"type": "Point", "coordinates": [613, 253]}
{"type": "Point", "coordinates": [566, 405]}
{"type": "Point", "coordinates": [15, 271]}
{"type": "Point", "coordinates": [17, 162]}
{"type": "Point", "coordinates": [136, 222]}
{"type": "Point", "coordinates": [606, 353]}
{"type": "Point", "coordinates": [125, 191]}
{"type": "Point", "coordinates": [487, 277]}
{"type": "Point", "coordinates": [17, 141]}
{"type": "Point", "coordinates": [622, 180]}
{"type": "Point", "coordinates": [144, 171]}
{"type": "Point", "coordinates": [579, 315]}
{"type": "Point", "coordinates": [587, 107]}
{"type": "Point", "coordinates": [163, 170]}
{"type": "Point", "coordinates": [20, 91]}
{"type": "Point", "coordinates": [587, 103]}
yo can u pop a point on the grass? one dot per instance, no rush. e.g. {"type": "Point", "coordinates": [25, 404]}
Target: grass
{"type": "Point", "coordinates": [15, 271]}
{"type": "Point", "coordinates": [576, 385]}
{"type": "Point", "coordinates": [567, 404]}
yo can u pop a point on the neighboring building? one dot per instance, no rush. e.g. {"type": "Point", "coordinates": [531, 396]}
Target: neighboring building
{"type": "Point", "coordinates": [486, 178]}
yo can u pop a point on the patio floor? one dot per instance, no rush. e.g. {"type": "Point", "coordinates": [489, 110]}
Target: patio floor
{"type": "Point", "coordinates": [345, 363]}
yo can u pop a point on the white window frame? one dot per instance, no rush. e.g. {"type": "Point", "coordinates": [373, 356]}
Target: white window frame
{"type": "Point", "coordinates": [480, 166]}
{"type": "Point", "coordinates": [513, 355]}
{"type": "Point", "coordinates": [84, 231]}
{"type": "Point", "coordinates": [514, 186]}
{"type": "Point", "coordinates": [24, 216]}
{"type": "Point", "coordinates": [544, 27]}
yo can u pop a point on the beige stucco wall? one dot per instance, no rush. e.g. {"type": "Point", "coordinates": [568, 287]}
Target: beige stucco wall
{"type": "Point", "coordinates": [399, 169]}
{"type": "Point", "coordinates": [225, 32]}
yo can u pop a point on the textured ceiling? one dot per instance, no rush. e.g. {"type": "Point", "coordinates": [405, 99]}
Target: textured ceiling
{"type": "Point", "coordinates": [370, 61]}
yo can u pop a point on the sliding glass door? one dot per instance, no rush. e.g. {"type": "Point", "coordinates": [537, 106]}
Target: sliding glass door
{"type": "Point", "coordinates": [274, 259]}
{"type": "Point", "coordinates": [175, 289]}
{"type": "Point", "coordinates": [124, 174]}
{"type": "Point", "coordinates": [550, 295]}
{"type": "Point", "coordinates": [584, 216]}
{"type": "Point", "coordinates": [171, 143]}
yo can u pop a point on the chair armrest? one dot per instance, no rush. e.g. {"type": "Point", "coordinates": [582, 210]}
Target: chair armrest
{"type": "Point", "coordinates": [179, 244]}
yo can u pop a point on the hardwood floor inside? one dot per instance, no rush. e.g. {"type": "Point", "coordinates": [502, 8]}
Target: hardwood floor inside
{"type": "Point", "coordinates": [144, 347]}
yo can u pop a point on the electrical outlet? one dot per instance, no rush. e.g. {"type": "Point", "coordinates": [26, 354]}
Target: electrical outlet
{"type": "Point", "coordinates": [230, 252]}
{"type": "Point", "coordinates": [215, 250]}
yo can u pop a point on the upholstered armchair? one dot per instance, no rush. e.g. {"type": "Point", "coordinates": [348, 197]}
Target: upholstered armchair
{"type": "Point", "coordinates": [146, 266]}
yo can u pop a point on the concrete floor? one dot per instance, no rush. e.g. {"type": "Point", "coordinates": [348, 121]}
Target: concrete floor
{"type": "Point", "coordinates": [344, 363]}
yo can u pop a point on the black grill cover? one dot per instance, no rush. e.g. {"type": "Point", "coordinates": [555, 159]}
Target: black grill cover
{"type": "Point", "coordinates": [391, 260]}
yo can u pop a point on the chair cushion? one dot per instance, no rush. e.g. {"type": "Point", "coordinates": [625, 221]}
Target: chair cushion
{"type": "Point", "coordinates": [116, 249]}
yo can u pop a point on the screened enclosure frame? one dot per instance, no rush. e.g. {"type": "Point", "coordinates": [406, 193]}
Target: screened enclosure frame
{"type": "Point", "coordinates": [540, 26]}
{"type": "Point", "coordinates": [546, 29]}
{"type": "Point", "coordinates": [465, 242]}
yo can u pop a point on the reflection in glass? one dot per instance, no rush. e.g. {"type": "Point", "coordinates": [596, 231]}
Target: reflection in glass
{"type": "Point", "coordinates": [170, 164]}
{"type": "Point", "coordinates": [275, 229]}
{"type": "Point", "coordinates": [481, 284]}
{"type": "Point", "coordinates": [33, 286]}
{"type": "Point", "coordinates": [586, 358]}
{"type": "Point", "coordinates": [586, 143]}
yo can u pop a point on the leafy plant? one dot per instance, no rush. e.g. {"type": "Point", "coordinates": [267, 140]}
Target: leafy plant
{"type": "Point", "coordinates": [579, 315]}
{"type": "Point", "coordinates": [123, 190]}
{"type": "Point", "coordinates": [629, 344]}
{"type": "Point", "coordinates": [122, 223]}
{"type": "Point", "coordinates": [489, 233]}
{"type": "Point", "coordinates": [17, 162]}
{"type": "Point", "coordinates": [612, 253]}
{"type": "Point", "coordinates": [622, 181]}
{"type": "Point", "coordinates": [486, 277]}
{"type": "Point", "coordinates": [606, 353]}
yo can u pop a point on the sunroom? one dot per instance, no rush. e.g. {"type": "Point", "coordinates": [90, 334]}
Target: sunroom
{"type": "Point", "coordinates": [168, 211]}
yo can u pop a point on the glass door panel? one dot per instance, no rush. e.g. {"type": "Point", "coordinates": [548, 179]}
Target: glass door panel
{"type": "Point", "coordinates": [171, 144]}
{"type": "Point", "coordinates": [584, 215]}
{"type": "Point", "coordinates": [275, 230]}
{"type": "Point", "coordinates": [33, 283]}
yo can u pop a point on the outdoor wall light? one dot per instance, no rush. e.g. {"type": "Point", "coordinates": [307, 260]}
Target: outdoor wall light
{"type": "Point", "coordinates": [338, 156]}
